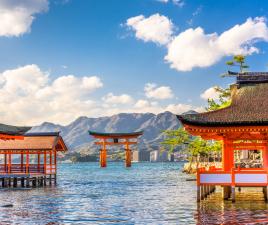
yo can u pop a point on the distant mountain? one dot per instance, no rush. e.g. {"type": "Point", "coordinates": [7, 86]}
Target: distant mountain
{"type": "Point", "coordinates": [77, 138]}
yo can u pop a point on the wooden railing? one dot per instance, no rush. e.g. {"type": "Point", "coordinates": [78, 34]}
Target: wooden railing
{"type": "Point", "coordinates": [235, 177]}
{"type": "Point", "coordinates": [32, 168]}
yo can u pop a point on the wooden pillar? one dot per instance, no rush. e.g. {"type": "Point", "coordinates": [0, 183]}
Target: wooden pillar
{"type": "Point", "coordinates": [128, 155]}
{"type": "Point", "coordinates": [21, 162]}
{"type": "Point", "coordinates": [55, 164]}
{"type": "Point", "coordinates": [50, 161]}
{"type": "Point", "coordinates": [198, 185]}
{"type": "Point", "coordinates": [226, 192]}
{"type": "Point", "coordinates": [45, 162]}
{"type": "Point", "coordinates": [9, 162]}
{"type": "Point", "coordinates": [5, 162]}
{"type": "Point", "coordinates": [34, 182]}
{"type": "Point", "coordinates": [227, 156]}
{"type": "Point", "coordinates": [202, 192]}
{"type": "Point", "coordinates": [38, 162]}
{"type": "Point", "coordinates": [103, 155]}
{"type": "Point", "coordinates": [15, 182]}
{"type": "Point", "coordinates": [27, 182]}
{"type": "Point", "coordinates": [27, 162]}
{"type": "Point", "coordinates": [22, 182]}
{"type": "Point", "coordinates": [4, 183]}
{"type": "Point", "coordinates": [265, 157]}
{"type": "Point", "coordinates": [266, 194]}
{"type": "Point", "coordinates": [233, 193]}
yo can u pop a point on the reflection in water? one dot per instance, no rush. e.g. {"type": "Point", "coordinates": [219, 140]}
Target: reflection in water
{"type": "Point", "coordinates": [249, 208]}
{"type": "Point", "coordinates": [147, 193]}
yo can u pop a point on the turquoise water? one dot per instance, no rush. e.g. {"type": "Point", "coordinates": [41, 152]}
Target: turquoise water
{"type": "Point", "coordinates": [146, 193]}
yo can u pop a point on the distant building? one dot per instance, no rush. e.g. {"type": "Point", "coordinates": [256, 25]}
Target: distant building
{"type": "Point", "coordinates": [159, 156]}
{"type": "Point", "coordinates": [141, 156]}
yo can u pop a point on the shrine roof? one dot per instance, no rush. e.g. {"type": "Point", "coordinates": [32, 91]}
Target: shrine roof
{"type": "Point", "coordinates": [116, 135]}
{"type": "Point", "coordinates": [35, 141]}
{"type": "Point", "coordinates": [249, 105]}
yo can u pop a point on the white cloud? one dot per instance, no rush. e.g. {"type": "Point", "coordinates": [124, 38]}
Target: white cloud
{"type": "Point", "coordinates": [179, 3]}
{"type": "Point", "coordinates": [193, 48]}
{"type": "Point", "coordinates": [156, 28]}
{"type": "Point", "coordinates": [110, 98]}
{"type": "Point", "coordinates": [16, 16]}
{"type": "Point", "coordinates": [153, 91]}
{"type": "Point", "coordinates": [153, 107]}
{"type": "Point", "coordinates": [210, 93]}
{"type": "Point", "coordinates": [179, 108]}
{"type": "Point", "coordinates": [28, 96]}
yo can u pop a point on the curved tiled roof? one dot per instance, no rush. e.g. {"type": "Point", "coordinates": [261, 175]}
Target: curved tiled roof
{"type": "Point", "coordinates": [249, 107]}
{"type": "Point", "coordinates": [35, 141]}
{"type": "Point", "coordinates": [116, 135]}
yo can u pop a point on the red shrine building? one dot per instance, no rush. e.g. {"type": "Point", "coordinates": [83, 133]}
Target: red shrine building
{"type": "Point", "coordinates": [243, 126]}
{"type": "Point", "coordinates": [28, 159]}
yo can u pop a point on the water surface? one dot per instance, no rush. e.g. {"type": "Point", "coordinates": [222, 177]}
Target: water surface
{"type": "Point", "coordinates": [146, 193]}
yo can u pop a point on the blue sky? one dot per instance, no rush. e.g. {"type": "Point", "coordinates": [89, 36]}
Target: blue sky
{"type": "Point", "coordinates": [61, 59]}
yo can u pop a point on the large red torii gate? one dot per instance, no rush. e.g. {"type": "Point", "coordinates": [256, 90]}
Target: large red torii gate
{"type": "Point", "coordinates": [114, 139]}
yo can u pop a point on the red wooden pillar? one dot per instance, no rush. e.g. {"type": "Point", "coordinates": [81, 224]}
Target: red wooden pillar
{"type": "Point", "coordinates": [5, 161]}
{"type": "Point", "coordinates": [9, 162]}
{"type": "Point", "coordinates": [45, 162]}
{"type": "Point", "coordinates": [27, 162]}
{"type": "Point", "coordinates": [38, 162]}
{"type": "Point", "coordinates": [21, 162]}
{"type": "Point", "coordinates": [227, 156]}
{"type": "Point", "coordinates": [103, 155]}
{"type": "Point", "coordinates": [128, 155]}
{"type": "Point", "coordinates": [265, 156]}
{"type": "Point", "coordinates": [55, 160]}
{"type": "Point", "coordinates": [50, 161]}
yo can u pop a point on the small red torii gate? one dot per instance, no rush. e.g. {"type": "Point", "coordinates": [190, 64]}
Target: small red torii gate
{"type": "Point", "coordinates": [113, 139]}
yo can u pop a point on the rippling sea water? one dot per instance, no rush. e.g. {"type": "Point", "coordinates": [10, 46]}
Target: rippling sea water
{"type": "Point", "coordinates": [146, 193]}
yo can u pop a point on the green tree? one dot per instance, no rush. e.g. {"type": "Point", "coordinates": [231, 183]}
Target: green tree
{"type": "Point", "coordinates": [175, 138]}
{"type": "Point", "coordinates": [238, 61]}
{"type": "Point", "coordinates": [223, 101]}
